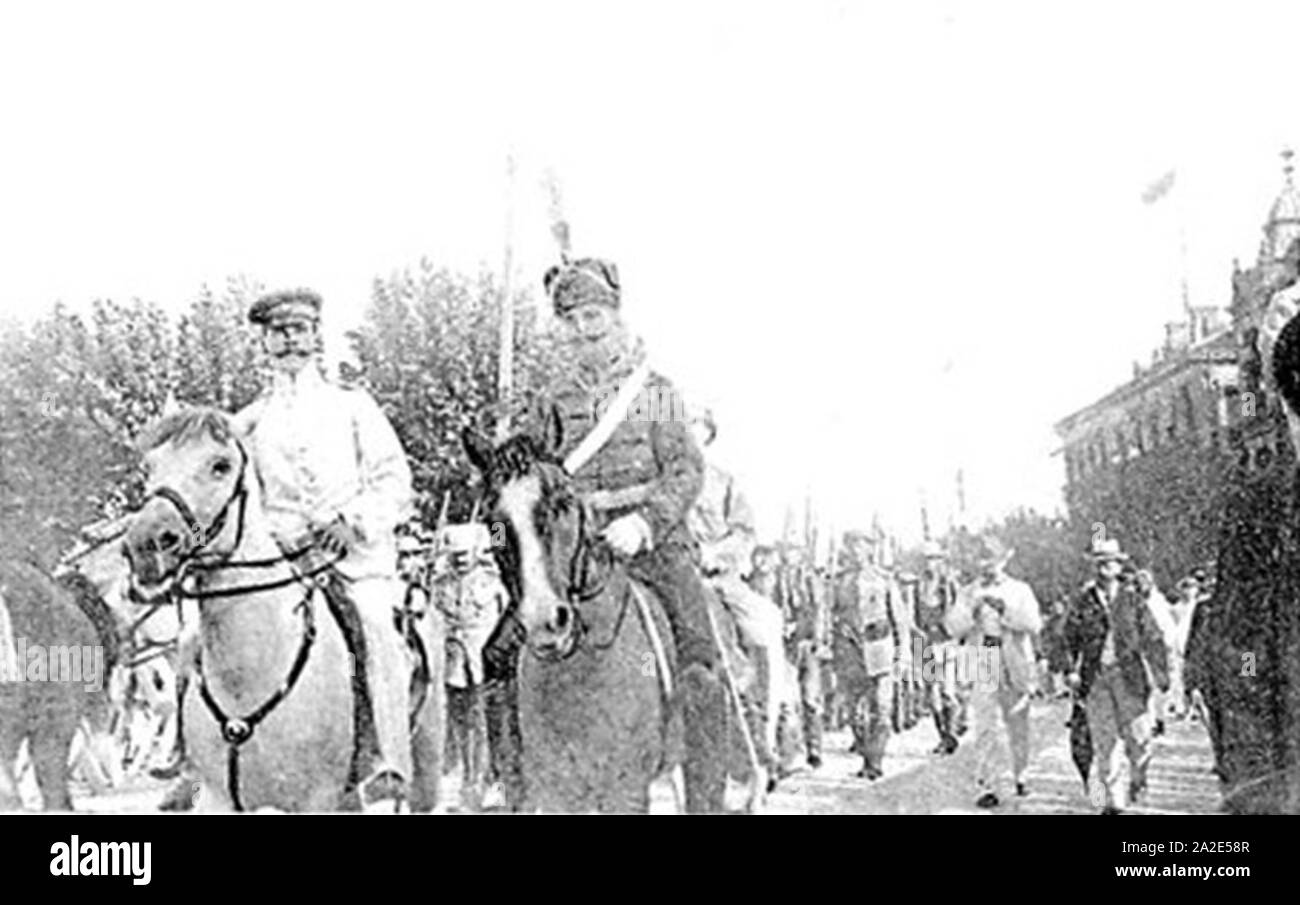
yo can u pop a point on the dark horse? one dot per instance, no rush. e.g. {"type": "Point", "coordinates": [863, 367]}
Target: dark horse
{"type": "Point", "coordinates": [38, 705]}
{"type": "Point", "coordinates": [596, 700]}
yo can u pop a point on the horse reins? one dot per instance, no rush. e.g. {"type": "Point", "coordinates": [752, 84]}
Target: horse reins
{"type": "Point", "coordinates": [236, 731]}
{"type": "Point", "coordinates": [579, 592]}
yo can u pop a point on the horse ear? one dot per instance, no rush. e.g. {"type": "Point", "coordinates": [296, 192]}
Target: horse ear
{"type": "Point", "coordinates": [477, 448]}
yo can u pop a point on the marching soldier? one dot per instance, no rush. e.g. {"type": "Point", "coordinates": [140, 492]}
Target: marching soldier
{"type": "Point", "coordinates": [802, 598]}
{"type": "Point", "coordinates": [467, 589]}
{"type": "Point", "coordinates": [640, 475]}
{"type": "Point", "coordinates": [936, 593]}
{"type": "Point", "coordinates": [908, 698]}
{"type": "Point", "coordinates": [867, 615]}
{"type": "Point", "coordinates": [332, 470]}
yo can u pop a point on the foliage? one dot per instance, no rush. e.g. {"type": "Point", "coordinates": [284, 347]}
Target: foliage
{"type": "Point", "coordinates": [428, 351]}
{"type": "Point", "coordinates": [76, 391]}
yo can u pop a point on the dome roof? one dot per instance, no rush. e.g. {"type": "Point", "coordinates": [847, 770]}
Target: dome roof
{"type": "Point", "coordinates": [1283, 225]}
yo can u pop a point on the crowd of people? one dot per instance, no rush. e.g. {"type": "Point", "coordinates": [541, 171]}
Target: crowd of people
{"type": "Point", "coordinates": [857, 640]}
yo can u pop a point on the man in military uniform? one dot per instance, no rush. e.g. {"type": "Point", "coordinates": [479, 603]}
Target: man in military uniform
{"type": "Point", "coordinates": [801, 597]}
{"type": "Point", "coordinates": [867, 617]}
{"type": "Point", "coordinates": [936, 592]}
{"type": "Point", "coordinates": [467, 589]}
{"type": "Point", "coordinates": [640, 481]}
{"type": "Point", "coordinates": [723, 525]}
{"type": "Point", "coordinates": [332, 470]}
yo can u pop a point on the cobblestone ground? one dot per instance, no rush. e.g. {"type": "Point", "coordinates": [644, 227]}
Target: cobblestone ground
{"type": "Point", "coordinates": [915, 781]}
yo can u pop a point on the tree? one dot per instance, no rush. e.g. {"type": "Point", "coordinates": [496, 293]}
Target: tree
{"type": "Point", "coordinates": [75, 394]}
{"type": "Point", "coordinates": [428, 352]}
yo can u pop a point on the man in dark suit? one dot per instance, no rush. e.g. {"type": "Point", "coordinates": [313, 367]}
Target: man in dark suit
{"type": "Point", "coordinates": [1111, 640]}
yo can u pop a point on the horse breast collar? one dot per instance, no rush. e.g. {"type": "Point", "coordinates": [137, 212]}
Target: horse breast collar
{"type": "Point", "coordinates": [235, 731]}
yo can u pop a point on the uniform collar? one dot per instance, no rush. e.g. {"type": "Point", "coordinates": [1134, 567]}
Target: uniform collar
{"type": "Point", "coordinates": [308, 379]}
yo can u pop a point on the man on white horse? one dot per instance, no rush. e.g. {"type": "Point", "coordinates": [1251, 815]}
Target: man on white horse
{"type": "Point", "coordinates": [332, 470]}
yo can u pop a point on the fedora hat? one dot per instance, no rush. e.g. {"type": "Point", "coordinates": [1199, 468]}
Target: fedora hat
{"type": "Point", "coordinates": [1107, 548]}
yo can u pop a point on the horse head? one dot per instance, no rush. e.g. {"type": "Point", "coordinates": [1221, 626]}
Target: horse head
{"type": "Point", "coordinates": [196, 477]}
{"type": "Point", "coordinates": [549, 557]}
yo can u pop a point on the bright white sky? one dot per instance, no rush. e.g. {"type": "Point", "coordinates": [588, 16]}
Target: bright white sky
{"type": "Point", "coordinates": [886, 240]}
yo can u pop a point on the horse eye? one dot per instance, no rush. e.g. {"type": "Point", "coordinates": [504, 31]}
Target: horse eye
{"type": "Point", "coordinates": [222, 467]}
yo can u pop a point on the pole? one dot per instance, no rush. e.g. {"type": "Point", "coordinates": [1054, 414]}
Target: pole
{"type": "Point", "coordinates": [506, 355]}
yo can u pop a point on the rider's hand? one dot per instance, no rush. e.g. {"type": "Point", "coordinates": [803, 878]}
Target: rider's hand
{"type": "Point", "coordinates": [336, 537]}
{"type": "Point", "coordinates": [1072, 680]}
{"type": "Point", "coordinates": [628, 535]}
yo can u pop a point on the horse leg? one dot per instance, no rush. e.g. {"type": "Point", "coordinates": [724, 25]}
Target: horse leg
{"type": "Point", "coordinates": [475, 746]}
{"type": "Point", "coordinates": [11, 737]}
{"type": "Point", "coordinates": [429, 731]}
{"type": "Point", "coordinates": [50, 747]}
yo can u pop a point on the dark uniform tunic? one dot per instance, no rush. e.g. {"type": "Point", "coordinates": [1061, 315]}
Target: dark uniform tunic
{"type": "Point", "coordinates": [651, 467]}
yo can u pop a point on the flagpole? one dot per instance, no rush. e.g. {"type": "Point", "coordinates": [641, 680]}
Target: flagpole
{"type": "Point", "coordinates": [506, 357]}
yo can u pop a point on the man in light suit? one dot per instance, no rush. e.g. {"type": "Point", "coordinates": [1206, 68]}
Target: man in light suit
{"type": "Point", "coordinates": [1161, 611]}
{"type": "Point", "coordinates": [999, 617]}
{"type": "Point", "coordinates": [1112, 642]}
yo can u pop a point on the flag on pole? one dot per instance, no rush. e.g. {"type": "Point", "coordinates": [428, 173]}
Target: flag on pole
{"type": "Point", "coordinates": [1160, 188]}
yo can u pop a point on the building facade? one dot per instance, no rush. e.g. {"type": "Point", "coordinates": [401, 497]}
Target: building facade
{"type": "Point", "coordinates": [1191, 464]}
{"type": "Point", "coordinates": [1150, 461]}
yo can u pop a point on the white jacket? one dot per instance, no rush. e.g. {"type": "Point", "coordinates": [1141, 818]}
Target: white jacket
{"type": "Point", "coordinates": [1020, 621]}
{"type": "Point", "coordinates": [320, 451]}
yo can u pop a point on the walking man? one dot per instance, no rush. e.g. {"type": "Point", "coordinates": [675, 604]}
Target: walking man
{"type": "Point", "coordinates": [999, 616]}
{"type": "Point", "coordinates": [1112, 641]}
{"type": "Point", "coordinates": [867, 619]}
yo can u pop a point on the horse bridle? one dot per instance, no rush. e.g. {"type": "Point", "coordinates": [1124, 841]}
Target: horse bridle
{"type": "Point", "coordinates": [212, 531]}
{"type": "Point", "coordinates": [235, 731]}
{"type": "Point", "coordinates": [579, 591]}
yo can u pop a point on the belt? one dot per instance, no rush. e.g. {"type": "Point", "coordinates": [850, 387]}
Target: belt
{"type": "Point", "coordinates": [992, 641]}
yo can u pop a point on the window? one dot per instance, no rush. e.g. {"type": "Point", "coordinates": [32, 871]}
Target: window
{"type": "Point", "coordinates": [1189, 407]}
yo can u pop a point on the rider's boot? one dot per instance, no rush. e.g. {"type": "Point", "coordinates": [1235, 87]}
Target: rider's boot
{"type": "Point", "coordinates": [704, 712]}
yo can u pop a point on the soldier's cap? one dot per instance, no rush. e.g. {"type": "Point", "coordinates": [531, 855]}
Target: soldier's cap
{"type": "Point", "coordinates": [1107, 549]}
{"type": "Point", "coordinates": [860, 536]}
{"type": "Point", "coordinates": [931, 550]}
{"type": "Point", "coordinates": [285, 305]}
{"type": "Point", "coordinates": [582, 282]}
